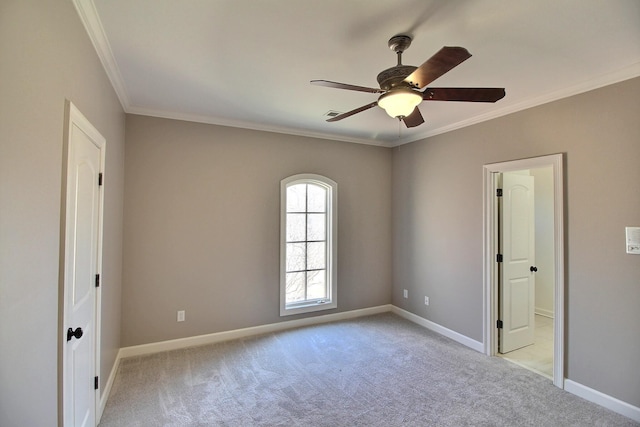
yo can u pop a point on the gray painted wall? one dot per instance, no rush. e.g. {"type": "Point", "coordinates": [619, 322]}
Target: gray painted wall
{"type": "Point", "coordinates": [46, 57]}
{"type": "Point", "coordinates": [202, 221]}
{"type": "Point", "coordinates": [437, 225]}
{"type": "Point", "coordinates": [432, 190]}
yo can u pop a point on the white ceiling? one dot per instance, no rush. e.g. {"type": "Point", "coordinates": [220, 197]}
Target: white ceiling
{"type": "Point", "coordinates": [248, 63]}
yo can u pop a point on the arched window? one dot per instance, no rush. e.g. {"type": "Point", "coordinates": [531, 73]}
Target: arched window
{"type": "Point", "coordinates": [308, 244]}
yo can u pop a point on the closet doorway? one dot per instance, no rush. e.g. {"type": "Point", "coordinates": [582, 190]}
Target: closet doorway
{"type": "Point", "coordinates": [524, 304]}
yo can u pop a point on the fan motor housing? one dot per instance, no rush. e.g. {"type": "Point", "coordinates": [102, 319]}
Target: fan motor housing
{"type": "Point", "coordinates": [394, 76]}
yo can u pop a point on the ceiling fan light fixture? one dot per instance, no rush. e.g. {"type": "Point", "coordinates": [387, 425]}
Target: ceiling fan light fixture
{"type": "Point", "coordinates": [400, 102]}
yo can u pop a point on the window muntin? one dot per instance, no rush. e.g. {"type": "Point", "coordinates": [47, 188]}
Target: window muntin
{"type": "Point", "coordinates": [308, 244]}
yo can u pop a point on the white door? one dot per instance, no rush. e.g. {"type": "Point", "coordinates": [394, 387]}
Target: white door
{"type": "Point", "coordinates": [517, 275]}
{"type": "Point", "coordinates": [81, 266]}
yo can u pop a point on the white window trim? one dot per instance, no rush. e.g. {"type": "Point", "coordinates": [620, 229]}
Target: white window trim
{"type": "Point", "coordinates": [332, 244]}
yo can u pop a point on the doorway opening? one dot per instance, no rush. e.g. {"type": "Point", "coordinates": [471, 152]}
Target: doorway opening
{"type": "Point", "coordinates": [536, 310]}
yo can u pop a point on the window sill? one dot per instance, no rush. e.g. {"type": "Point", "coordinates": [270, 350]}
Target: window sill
{"type": "Point", "coordinates": [308, 308]}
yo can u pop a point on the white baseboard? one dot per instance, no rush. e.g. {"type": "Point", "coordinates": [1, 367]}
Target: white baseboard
{"type": "Point", "coordinates": [176, 344]}
{"type": "Point", "coordinates": [604, 400]}
{"type": "Point", "coordinates": [544, 312]}
{"type": "Point", "coordinates": [107, 387]}
{"type": "Point", "coordinates": [157, 347]}
{"type": "Point", "coordinates": [462, 339]}
{"type": "Point", "coordinates": [573, 387]}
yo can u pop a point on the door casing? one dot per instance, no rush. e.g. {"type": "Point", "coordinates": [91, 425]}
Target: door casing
{"type": "Point", "coordinates": [490, 249]}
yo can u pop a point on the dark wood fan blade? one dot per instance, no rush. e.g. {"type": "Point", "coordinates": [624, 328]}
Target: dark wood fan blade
{"type": "Point", "coordinates": [468, 94]}
{"type": "Point", "coordinates": [414, 119]}
{"type": "Point", "coordinates": [337, 85]}
{"type": "Point", "coordinates": [352, 112]}
{"type": "Point", "coordinates": [443, 61]}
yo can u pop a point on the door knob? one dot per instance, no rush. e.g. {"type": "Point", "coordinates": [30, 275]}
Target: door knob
{"type": "Point", "coordinates": [71, 333]}
{"type": "Point", "coordinates": [533, 269]}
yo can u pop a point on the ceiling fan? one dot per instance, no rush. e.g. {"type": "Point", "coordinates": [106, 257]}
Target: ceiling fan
{"type": "Point", "coordinates": [400, 86]}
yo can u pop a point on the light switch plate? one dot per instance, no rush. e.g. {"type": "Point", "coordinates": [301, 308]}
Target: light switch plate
{"type": "Point", "coordinates": [633, 240]}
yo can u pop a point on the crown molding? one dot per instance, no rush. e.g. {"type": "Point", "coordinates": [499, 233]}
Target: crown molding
{"type": "Point", "coordinates": [252, 126]}
{"type": "Point", "coordinates": [629, 72]}
{"type": "Point", "coordinates": [89, 16]}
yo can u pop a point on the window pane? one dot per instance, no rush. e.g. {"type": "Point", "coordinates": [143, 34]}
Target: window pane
{"type": "Point", "coordinates": [296, 198]}
{"type": "Point", "coordinates": [295, 287]}
{"type": "Point", "coordinates": [317, 199]}
{"type": "Point", "coordinates": [316, 284]}
{"type": "Point", "coordinates": [315, 255]}
{"type": "Point", "coordinates": [307, 245]}
{"type": "Point", "coordinates": [316, 227]}
{"type": "Point", "coordinates": [295, 256]}
{"type": "Point", "coordinates": [295, 227]}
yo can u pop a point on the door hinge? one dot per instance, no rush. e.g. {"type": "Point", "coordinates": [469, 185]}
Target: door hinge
{"type": "Point", "coordinates": [100, 178]}
{"type": "Point", "coordinates": [97, 280]}
{"type": "Point", "coordinates": [499, 192]}
{"type": "Point", "coordinates": [499, 258]}
{"type": "Point", "coordinates": [95, 383]}
{"type": "Point", "coordinates": [499, 325]}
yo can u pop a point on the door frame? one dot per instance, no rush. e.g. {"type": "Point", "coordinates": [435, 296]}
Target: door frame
{"type": "Point", "coordinates": [73, 117]}
{"type": "Point", "coordinates": [490, 246]}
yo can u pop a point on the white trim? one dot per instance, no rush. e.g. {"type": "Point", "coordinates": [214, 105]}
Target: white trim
{"type": "Point", "coordinates": [544, 312]}
{"type": "Point", "coordinates": [217, 337]}
{"type": "Point", "coordinates": [91, 20]}
{"type": "Point", "coordinates": [489, 292]}
{"type": "Point", "coordinates": [196, 118]}
{"type": "Point", "coordinates": [626, 73]}
{"type": "Point", "coordinates": [558, 238]}
{"type": "Point", "coordinates": [93, 25]}
{"type": "Point", "coordinates": [462, 339]}
{"type": "Point", "coordinates": [572, 387]}
{"type": "Point", "coordinates": [98, 311]}
{"type": "Point", "coordinates": [107, 387]}
{"type": "Point", "coordinates": [604, 400]}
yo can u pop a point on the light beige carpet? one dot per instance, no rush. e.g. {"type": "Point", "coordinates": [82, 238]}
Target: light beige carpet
{"type": "Point", "coordinates": [374, 371]}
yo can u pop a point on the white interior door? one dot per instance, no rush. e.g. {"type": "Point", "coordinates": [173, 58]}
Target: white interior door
{"type": "Point", "coordinates": [517, 276]}
{"type": "Point", "coordinates": [82, 263]}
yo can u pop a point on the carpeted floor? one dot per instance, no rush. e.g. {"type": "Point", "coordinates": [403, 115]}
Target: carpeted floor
{"type": "Point", "coordinates": [374, 371]}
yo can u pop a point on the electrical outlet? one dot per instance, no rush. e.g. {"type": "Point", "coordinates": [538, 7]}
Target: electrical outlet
{"type": "Point", "coordinates": [405, 293]}
{"type": "Point", "coordinates": [180, 315]}
{"type": "Point", "coordinates": [426, 300]}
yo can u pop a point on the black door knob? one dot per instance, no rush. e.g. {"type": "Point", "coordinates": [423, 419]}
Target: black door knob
{"type": "Point", "coordinates": [533, 269]}
{"type": "Point", "coordinates": [71, 333]}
